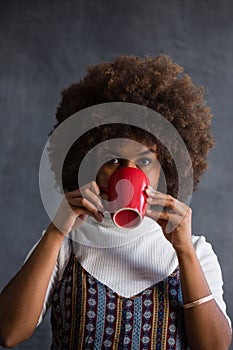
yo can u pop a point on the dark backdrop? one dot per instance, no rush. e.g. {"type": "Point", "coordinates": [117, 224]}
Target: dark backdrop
{"type": "Point", "coordinates": [46, 45]}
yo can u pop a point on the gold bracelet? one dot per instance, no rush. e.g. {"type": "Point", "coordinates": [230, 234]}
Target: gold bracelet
{"type": "Point", "coordinates": [198, 302]}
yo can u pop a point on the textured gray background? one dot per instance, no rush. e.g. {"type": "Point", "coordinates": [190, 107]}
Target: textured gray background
{"type": "Point", "coordinates": [46, 45]}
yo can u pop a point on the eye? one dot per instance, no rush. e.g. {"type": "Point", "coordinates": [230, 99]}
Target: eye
{"type": "Point", "coordinates": [144, 162]}
{"type": "Point", "coordinates": [113, 161]}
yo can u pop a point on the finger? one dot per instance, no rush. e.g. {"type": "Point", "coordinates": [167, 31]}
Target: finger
{"type": "Point", "coordinates": [172, 218]}
{"type": "Point", "coordinates": [166, 197]}
{"type": "Point", "coordinates": [79, 220]}
{"type": "Point", "coordinates": [165, 200]}
{"type": "Point", "coordinates": [81, 202]}
{"type": "Point", "coordinates": [81, 205]}
{"type": "Point", "coordinates": [93, 198]}
{"type": "Point", "coordinates": [90, 192]}
{"type": "Point", "coordinates": [154, 214]}
{"type": "Point", "coordinates": [89, 195]}
{"type": "Point", "coordinates": [83, 213]}
{"type": "Point", "coordinates": [149, 190]}
{"type": "Point", "coordinates": [92, 186]}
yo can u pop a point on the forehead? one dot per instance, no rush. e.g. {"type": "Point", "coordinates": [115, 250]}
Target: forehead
{"type": "Point", "coordinates": [122, 146]}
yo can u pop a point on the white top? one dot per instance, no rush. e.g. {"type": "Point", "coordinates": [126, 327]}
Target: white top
{"type": "Point", "coordinates": [130, 261]}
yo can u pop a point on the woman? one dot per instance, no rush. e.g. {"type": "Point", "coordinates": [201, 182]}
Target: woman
{"type": "Point", "coordinates": [145, 288]}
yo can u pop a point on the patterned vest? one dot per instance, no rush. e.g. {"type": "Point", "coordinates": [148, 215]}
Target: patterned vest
{"type": "Point", "coordinates": [86, 314]}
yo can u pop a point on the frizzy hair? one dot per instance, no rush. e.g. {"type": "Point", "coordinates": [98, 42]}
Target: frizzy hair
{"type": "Point", "coordinates": [154, 82]}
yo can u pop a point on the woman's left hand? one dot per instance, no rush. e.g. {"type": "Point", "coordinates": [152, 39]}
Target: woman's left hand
{"type": "Point", "coordinates": [176, 223]}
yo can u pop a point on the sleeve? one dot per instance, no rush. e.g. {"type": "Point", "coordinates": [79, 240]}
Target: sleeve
{"type": "Point", "coordinates": [56, 274]}
{"type": "Point", "coordinates": [212, 270]}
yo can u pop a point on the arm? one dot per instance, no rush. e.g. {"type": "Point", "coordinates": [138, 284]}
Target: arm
{"type": "Point", "coordinates": [206, 326]}
{"type": "Point", "coordinates": [22, 300]}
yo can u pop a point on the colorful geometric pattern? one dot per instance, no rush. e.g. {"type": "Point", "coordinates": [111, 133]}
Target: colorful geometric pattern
{"type": "Point", "coordinates": [86, 314]}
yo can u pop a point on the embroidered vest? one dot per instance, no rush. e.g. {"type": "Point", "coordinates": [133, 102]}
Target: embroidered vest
{"type": "Point", "coordinates": [86, 314]}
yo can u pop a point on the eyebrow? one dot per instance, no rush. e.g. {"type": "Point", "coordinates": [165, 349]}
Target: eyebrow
{"type": "Point", "coordinates": [151, 150]}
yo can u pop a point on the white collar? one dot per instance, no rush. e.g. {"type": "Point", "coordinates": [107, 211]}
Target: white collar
{"type": "Point", "coordinates": [106, 235]}
{"type": "Point", "coordinates": [127, 261]}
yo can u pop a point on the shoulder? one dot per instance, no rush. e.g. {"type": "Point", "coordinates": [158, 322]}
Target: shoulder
{"type": "Point", "coordinates": [209, 263]}
{"type": "Point", "coordinates": [202, 246]}
{"type": "Point", "coordinates": [63, 257]}
{"type": "Point", "coordinates": [207, 257]}
{"type": "Point", "coordinates": [204, 249]}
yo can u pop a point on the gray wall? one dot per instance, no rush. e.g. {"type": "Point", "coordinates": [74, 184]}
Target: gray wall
{"type": "Point", "coordinates": [46, 45]}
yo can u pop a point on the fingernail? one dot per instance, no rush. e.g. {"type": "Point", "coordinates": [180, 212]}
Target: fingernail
{"type": "Point", "coordinates": [151, 190]}
{"type": "Point", "coordinates": [154, 193]}
{"type": "Point", "coordinates": [99, 216]}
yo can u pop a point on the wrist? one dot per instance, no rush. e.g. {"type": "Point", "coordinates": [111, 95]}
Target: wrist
{"type": "Point", "coordinates": [53, 231]}
{"type": "Point", "coordinates": [187, 253]}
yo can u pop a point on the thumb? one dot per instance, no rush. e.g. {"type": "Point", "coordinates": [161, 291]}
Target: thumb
{"type": "Point", "coordinates": [79, 220]}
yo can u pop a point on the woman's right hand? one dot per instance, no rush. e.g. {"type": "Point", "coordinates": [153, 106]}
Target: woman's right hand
{"type": "Point", "coordinates": [77, 205]}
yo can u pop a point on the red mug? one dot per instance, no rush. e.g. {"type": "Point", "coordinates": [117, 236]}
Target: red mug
{"type": "Point", "coordinates": [126, 196]}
